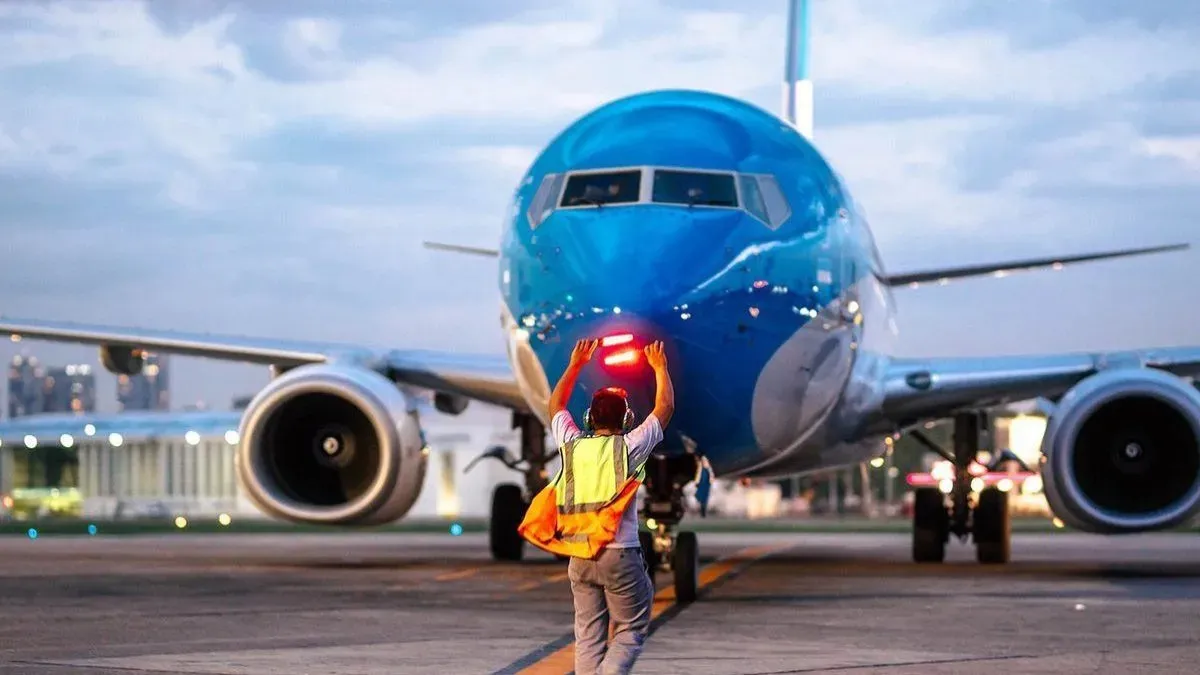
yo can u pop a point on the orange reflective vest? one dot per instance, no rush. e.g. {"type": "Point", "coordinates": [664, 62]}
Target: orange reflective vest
{"type": "Point", "coordinates": [579, 512]}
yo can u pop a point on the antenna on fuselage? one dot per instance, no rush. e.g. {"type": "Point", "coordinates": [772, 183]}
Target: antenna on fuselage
{"type": "Point", "coordinates": [797, 88]}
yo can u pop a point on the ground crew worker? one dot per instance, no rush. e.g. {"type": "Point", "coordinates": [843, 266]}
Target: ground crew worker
{"type": "Point", "coordinates": [593, 515]}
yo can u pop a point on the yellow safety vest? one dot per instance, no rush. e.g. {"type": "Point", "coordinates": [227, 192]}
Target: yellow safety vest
{"type": "Point", "coordinates": [579, 512]}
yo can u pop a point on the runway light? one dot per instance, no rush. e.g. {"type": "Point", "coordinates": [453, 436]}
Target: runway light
{"type": "Point", "coordinates": [7, 502]}
{"type": "Point", "coordinates": [1059, 523]}
{"type": "Point", "coordinates": [180, 522]}
{"type": "Point", "coordinates": [456, 529]}
{"type": "Point", "coordinates": [32, 532]}
{"type": "Point", "coordinates": [115, 439]}
{"type": "Point", "coordinates": [89, 430]}
{"type": "Point", "coordinates": [1004, 485]}
{"type": "Point", "coordinates": [224, 519]}
{"type": "Point", "coordinates": [30, 441]}
{"type": "Point", "coordinates": [92, 529]}
{"type": "Point", "coordinates": [651, 524]}
{"type": "Point", "coordinates": [192, 438]}
{"type": "Point", "coordinates": [946, 486]}
{"type": "Point", "coordinates": [231, 437]}
{"type": "Point", "coordinates": [977, 485]}
{"type": "Point", "coordinates": [877, 462]}
{"type": "Point", "coordinates": [1033, 485]}
{"type": "Point", "coordinates": [66, 440]}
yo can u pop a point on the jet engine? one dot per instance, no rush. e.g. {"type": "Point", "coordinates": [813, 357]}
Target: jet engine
{"type": "Point", "coordinates": [331, 444]}
{"type": "Point", "coordinates": [1121, 452]}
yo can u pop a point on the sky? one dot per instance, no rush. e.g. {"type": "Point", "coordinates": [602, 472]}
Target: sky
{"type": "Point", "coordinates": [271, 169]}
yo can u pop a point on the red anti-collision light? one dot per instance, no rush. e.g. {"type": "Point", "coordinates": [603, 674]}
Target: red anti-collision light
{"type": "Point", "coordinates": [624, 357]}
{"type": "Point", "coordinates": [614, 340]}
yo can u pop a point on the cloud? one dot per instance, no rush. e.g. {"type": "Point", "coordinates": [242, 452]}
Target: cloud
{"type": "Point", "coordinates": [271, 168]}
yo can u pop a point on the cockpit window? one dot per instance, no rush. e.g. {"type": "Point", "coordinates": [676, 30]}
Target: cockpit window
{"type": "Point", "coordinates": [542, 204]}
{"type": "Point", "coordinates": [694, 188]}
{"type": "Point", "coordinates": [752, 198]}
{"type": "Point", "coordinates": [777, 206]}
{"type": "Point", "coordinates": [597, 189]}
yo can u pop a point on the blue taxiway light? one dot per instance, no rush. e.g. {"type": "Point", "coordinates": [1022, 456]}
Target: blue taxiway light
{"type": "Point", "coordinates": [32, 533]}
{"type": "Point", "coordinates": [92, 530]}
{"type": "Point", "coordinates": [456, 529]}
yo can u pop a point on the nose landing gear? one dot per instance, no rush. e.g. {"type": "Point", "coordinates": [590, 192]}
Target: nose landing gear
{"type": "Point", "coordinates": [667, 549]}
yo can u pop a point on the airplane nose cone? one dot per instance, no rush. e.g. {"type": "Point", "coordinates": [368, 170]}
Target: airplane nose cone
{"type": "Point", "coordinates": [637, 260]}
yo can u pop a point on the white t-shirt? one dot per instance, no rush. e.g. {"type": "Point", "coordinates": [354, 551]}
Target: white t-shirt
{"type": "Point", "coordinates": [640, 442]}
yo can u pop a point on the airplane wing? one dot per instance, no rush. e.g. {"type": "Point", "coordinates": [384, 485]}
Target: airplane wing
{"type": "Point", "coordinates": [484, 378]}
{"type": "Point", "coordinates": [1004, 268]}
{"type": "Point", "coordinates": [922, 389]}
{"type": "Point", "coordinates": [459, 248]}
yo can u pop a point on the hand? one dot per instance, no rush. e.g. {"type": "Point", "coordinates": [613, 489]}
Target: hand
{"type": "Point", "coordinates": [583, 351]}
{"type": "Point", "coordinates": [655, 356]}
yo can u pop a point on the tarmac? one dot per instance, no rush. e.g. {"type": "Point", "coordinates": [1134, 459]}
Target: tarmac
{"type": "Point", "coordinates": [361, 604]}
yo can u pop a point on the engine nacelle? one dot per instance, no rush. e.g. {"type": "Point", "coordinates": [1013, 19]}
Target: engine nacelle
{"type": "Point", "coordinates": [331, 444]}
{"type": "Point", "coordinates": [1122, 453]}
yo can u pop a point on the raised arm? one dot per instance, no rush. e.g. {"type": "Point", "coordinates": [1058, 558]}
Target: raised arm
{"type": "Point", "coordinates": [664, 396]}
{"type": "Point", "coordinates": [562, 391]}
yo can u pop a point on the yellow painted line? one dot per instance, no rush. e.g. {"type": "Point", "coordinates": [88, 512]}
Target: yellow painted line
{"type": "Point", "coordinates": [460, 574]}
{"type": "Point", "coordinates": [563, 660]}
{"type": "Point", "coordinates": [559, 577]}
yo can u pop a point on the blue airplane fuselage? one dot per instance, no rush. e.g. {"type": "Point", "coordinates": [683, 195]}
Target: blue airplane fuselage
{"type": "Point", "coordinates": [774, 322]}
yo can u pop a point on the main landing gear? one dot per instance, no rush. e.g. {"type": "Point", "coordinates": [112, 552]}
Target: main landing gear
{"type": "Point", "coordinates": [509, 500]}
{"type": "Point", "coordinates": [987, 521]}
{"type": "Point", "coordinates": [664, 547]}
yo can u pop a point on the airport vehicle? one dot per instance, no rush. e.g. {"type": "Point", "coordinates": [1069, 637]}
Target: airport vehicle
{"type": "Point", "coordinates": [718, 228]}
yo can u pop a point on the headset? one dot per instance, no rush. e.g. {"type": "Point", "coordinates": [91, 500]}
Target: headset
{"type": "Point", "coordinates": [626, 423]}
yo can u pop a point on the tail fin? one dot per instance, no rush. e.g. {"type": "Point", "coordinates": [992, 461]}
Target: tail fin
{"type": "Point", "coordinates": [797, 88]}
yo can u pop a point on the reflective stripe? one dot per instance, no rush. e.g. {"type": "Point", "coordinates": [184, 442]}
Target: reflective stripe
{"type": "Point", "coordinates": [568, 470]}
{"type": "Point", "coordinates": [588, 454]}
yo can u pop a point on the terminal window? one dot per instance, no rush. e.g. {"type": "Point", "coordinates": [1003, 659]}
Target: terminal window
{"type": "Point", "coordinates": [694, 188]}
{"type": "Point", "coordinates": [596, 189]}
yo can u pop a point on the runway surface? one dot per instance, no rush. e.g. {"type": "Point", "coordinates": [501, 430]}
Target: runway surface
{"type": "Point", "coordinates": [406, 603]}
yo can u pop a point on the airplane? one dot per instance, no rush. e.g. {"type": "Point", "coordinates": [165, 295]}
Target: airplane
{"type": "Point", "coordinates": [718, 228]}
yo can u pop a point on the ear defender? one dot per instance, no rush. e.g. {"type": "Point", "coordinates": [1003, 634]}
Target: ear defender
{"type": "Point", "coordinates": [626, 423]}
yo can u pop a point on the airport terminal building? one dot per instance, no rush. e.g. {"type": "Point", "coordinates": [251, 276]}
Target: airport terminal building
{"type": "Point", "coordinates": [159, 464]}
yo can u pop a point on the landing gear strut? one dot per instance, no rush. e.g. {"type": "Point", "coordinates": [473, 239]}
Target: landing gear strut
{"type": "Point", "coordinates": [665, 548]}
{"type": "Point", "coordinates": [509, 500]}
{"type": "Point", "coordinates": [987, 521]}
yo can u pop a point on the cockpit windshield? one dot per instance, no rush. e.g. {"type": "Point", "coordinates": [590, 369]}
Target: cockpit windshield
{"type": "Point", "coordinates": [757, 194]}
{"type": "Point", "coordinates": [694, 188]}
{"type": "Point", "coordinates": [597, 189]}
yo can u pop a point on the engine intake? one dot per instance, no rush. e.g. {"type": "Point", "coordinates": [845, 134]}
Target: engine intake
{"type": "Point", "coordinates": [331, 444]}
{"type": "Point", "coordinates": [1122, 453]}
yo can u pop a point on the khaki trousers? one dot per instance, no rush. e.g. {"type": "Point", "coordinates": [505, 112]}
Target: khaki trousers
{"type": "Point", "coordinates": [613, 586]}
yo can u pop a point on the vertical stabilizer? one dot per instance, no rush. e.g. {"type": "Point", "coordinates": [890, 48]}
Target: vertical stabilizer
{"type": "Point", "coordinates": [797, 88]}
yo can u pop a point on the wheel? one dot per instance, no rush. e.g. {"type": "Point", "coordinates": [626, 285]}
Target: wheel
{"type": "Point", "coordinates": [646, 540]}
{"type": "Point", "coordinates": [931, 525]}
{"type": "Point", "coordinates": [684, 564]}
{"type": "Point", "coordinates": [508, 510]}
{"type": "Point", "coordinates": [992, 527]}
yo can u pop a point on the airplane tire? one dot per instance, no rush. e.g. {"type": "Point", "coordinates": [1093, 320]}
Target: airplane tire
{"type": "Point", "coordinates": [508, 510]}
{"type": "Point", "coordinates": [646, 540]}
{"type": "Point", "coordinates": [684, 565]}
{"type": "Point", "coordinates": [992, 527]}
{"type": "Point", "coordinates": [931, 525]}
